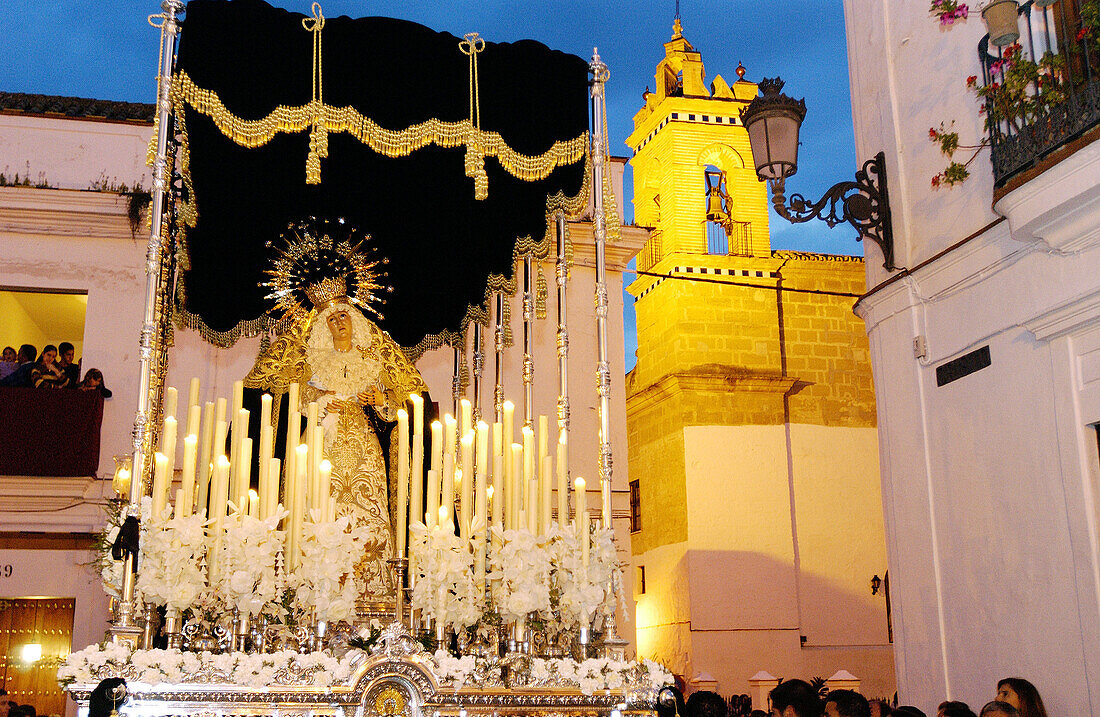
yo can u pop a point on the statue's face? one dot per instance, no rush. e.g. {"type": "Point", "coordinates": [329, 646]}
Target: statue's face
{"type": "Point", "coordinates": [339, 324]}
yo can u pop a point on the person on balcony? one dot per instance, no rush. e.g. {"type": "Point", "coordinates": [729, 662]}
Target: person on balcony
{"type": "Point", "coordinates": [8, 362]}
{"type": "Point", "coordinates": [46, 373]}
{"type": "Point", "coordinates": [93, 381]}
{"type": "Point", "coordinates": [21, 376]}
{"type": "Point", "coordinates": [65, 354]}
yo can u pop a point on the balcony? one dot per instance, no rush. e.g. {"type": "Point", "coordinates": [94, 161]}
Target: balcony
{"type": "Point", "coordinates": [49, 433]}
{"type": "Point", "coordinates": [1031, 135]}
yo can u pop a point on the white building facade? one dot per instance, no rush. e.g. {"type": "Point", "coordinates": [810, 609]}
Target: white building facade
{"type": "Point", "coordinates": [985, 345]}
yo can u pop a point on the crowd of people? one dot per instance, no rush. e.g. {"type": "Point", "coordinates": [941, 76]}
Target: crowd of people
{"type": "Point", "coordinates": [53, 368]}
{"type": "Point", "coordinates": [11, 708]}
{"type": "Point", "coordinates": [1015, 697]}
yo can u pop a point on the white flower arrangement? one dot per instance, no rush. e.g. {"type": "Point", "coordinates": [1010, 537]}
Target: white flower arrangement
{"type": "Point", "coordinates": [578, 595]}
{"type": "Point", "coordinates": [520, 574]}
{"type": "Point", "coordinates": [445, 589]}
{"type": "Point", "coordinates": [325, 579]}
{"type": "Point", "coordinates": [155, 667]}
{"type": "Point", "coordinates": [590, 676]}
{"type": "Point", "coordinates": [172, 552]}
{"type": "Point", "coordinates": [250, 574]}
{"type": "Point", "coordinates": [110, 570]}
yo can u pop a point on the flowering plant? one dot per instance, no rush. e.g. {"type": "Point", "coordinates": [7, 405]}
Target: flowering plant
{"type": "Point", "coordinates": [173, 550]}
{"type": "Point", "coordinates": [325, 579]}
{"type": "Point", "coordinates": [949, 11]}
{"type": "Point", "coordinates": [445, 589]}
{"type": "Point", "coordinates": [520, 574]}
{"type": "Point", "coordinates": [155, 667]}
{"type": "Point", "coordinates": [250, 574]}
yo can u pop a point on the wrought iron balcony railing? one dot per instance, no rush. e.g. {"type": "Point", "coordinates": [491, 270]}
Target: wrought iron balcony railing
{"type": "Point", "coordinates": [1025, 126]}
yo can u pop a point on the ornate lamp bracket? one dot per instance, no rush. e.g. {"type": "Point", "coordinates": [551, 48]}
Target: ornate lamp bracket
{"type": "Point", "coordinates": [864, 203]}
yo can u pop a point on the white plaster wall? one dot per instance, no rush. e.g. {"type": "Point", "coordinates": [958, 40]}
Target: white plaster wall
{"type": "Point", "coordinates": [74, 153]}
{"type": "Point", "coordinates": [60, 574]}
{"type": "Point", "coordinates": [782, 546]}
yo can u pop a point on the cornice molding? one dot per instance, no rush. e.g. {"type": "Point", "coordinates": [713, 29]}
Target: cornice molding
{"type": "Point", "coordinates": [30, 211]}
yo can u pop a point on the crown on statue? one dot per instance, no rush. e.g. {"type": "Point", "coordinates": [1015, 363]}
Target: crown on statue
{"type": "Point", "coordinates": [327, 292]}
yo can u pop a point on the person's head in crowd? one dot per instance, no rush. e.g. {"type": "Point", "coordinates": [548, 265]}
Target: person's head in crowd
{"type": "Point", "coordinates": [758, 713]}
{"type": "Point", "coordinates": [846, 703]}
{"type": "Point", "coordinates": [1022, 695]}
{"type": "Point", "coordinates": [996, 708]}
{"type": "Point", "coordinates": [795, 698]}
{"type": "Point", "coordinates": [953, 708]}
{"type": "Point", "coordinates": [49, 355]}
{"type": "Point", "coordinates": [880, 708]}
{"type": "Point", "coordinates": [28, 711]}
{"type": "Point", "coordinates": [9, 355]}
{"type": "Point", "coordinates": [93, 381]}
{"type": "Point", "coordinates": [66, 352]}
{"type": "Point", "coordinates": [27, 353]}
{"type": "Point", "coordinates": [670, 702]}
{"type": "Point", "coordinates": [705, 703]}
{"type": "Point", "coordinates": [907, 711]}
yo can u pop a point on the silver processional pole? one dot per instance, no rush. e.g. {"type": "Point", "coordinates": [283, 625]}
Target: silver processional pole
{"type": "Point", "coordinates": [125, 629]}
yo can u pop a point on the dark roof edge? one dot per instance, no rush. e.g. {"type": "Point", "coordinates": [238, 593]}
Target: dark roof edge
{"type": "Point", "coordinates": [76, 108]}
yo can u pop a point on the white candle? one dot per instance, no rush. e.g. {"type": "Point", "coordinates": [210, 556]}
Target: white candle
{"type": "Point", "coordinates": [416, 478]}
{"type": "Point", "coordinates": [533, 505]}
{"type": "Point", "coordinates": [545, 501]}
{"type": "Point", "coordinates": [253, 504]}
{"type": "Point", "coordinates": [235, 435]}
{"type": "Point", "coordinates": [187, 491]}
{"type": "Point", "coordinates": [297, 516]}
{"type": "Point", "coordinates": [418, 412]}
{"type": "Point", "coordinates": [528, 468]}
{"type": "Point", "coordinates": [515, 481]}
{"type": "Point", "coordinates": [245, 473]}
{"type": "Point", "coordinates": [205, 467]}
{"type": "Point", "coordinates": [463, 525]}
{"type": "Point", "coordinates": [508, 418]}
{"type": "Point", "coordinates": [563, 480]}
{"type": "Point", "coordinates": [465, 416]}
{"type": "Point", "coordinates": [325, 472]}
{"type": "Point", "coordinates": [265, 410]}
{"type": "Point", "coordinates": [580, 504]}
{"type": "Point", "coordinates": [171, 396]}
{"type": "Point", "coordinates": [315, 460]}
{"type": "Point", "coordinates": [272, 487]}
{"type": "Point", "coordinates": [466, 493]}
{"type": "Point", "coordinates": [194, 418]}
{"type": "Point", "coordinates": [219, 487]}
{"type": "Point", "coordinates": [263, 479]}
{"type": "Point", "coordinates": [402, 532]}
{"type": "Point", "coordinates": [450, 435]}
{"type": "Point", "coordinates": [498, 479]}
{"type": "Point", "coordinates": [447, 495]}
{"type": "Point", "coordinates": [584, 538]}
{"type": "Point", "coordinates": [219, 411]}
{"type": "Point", "coordinates": [168, 447]}
{"type": "Point", "coordinates": [160, 483]}
{"type": "Point", "coordinates": [293, 436]}
{"type": "Point", "coordinates": [433, 498]}
{"type": "Point", "coordinates": [437, 449]}
{"type": "Point", "coordinates": [193, 401]}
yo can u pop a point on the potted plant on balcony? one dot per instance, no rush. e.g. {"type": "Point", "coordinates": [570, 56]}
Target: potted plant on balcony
{"type": "Point", "coordinates": [1000, 18]}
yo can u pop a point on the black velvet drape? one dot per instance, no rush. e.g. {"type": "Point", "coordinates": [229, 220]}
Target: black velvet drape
{"type": "Point", "coordinates": [442, 243]}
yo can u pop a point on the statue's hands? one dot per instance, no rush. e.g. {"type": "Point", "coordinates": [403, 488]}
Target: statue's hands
{"type": "Point", "coordinates": [370, 397]}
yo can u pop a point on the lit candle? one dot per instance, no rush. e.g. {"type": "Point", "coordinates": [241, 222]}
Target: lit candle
{"type": "Point", "coordinates": [160, 484]}
{"type": "Point", "coordinates": [465, 416]}
{"type": "Point", "coordinates": [253, 504]}
{"type": "Point", "coordinates": [219, 411]}
{"type": "Point", "coordinates": [263, 479]}
{"type": "Point", "coordinates": [187, 491]}
{"type": "Point", "coordinates": [418, 412]}
{"type": "Point", "coordinates": [293, 436]}
{"type": "Point", "coordinates": [265, 410]}
{"type": "Point", "coordinates": [466, 453]}
{"type": "Point", "coordinates": [563, 480]}
{"type": "Point", "coordinates": [297, 515]}
{"type": "Point", "coordinates": [194, 418]}
{"type": "Point", "coordinates": [315, 461]}
{"type": "Point", "coordinates": [545, 501]}
{"type": "Point", "coordinates": [402, 531]}
{"type": "Point", "coordinates": [498, 479]}
{"type": "Point", "coordinates": [580, 504]}
{"type": "Point", "coordinates": [450, 435]}
{"type": "Point", "coordinates": [509, 417]}
{"type": "Point", "coordinates": [416, 472]}
{"type": "Point", "coordinates": [192, 402]}
{"type": "Point", "coordinates": [447, 497]}
{"type": "Point", "coordinates": [204, 466]}
{"type": "Point", "coordinates": [437, 450]}
{"type": "Point", "coordinates": [481, 476]}
{"type": "Point", "coordinates": [433, 498]}
{"type": "Point", "coordinates": [235, 434]}
{"type": "Point", "coordinates": [507, 438]}
{"type": "Point", "coordinates": [515, 481]}
{"type": "Point", "coordinates": [171, 396]}
{"type": "Point", "coordinates": [219, 488]}
{"type": "Point", "coordinates": [168, 448]}
{"type": "Point", "coordinates": [245, 473]}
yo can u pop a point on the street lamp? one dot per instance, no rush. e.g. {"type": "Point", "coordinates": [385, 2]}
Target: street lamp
{"type": "Point", "coordinates": [772, 121]}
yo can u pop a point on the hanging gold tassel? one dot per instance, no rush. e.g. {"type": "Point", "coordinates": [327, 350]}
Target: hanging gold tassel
{"type": "Point", "coordinates": [318, 136]}
{"type": "Point", "coordinates": [540, 294]}
{"type": "Point", "coordinates": [475, 155]}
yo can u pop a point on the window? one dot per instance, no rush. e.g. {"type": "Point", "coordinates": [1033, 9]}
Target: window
{"type": "Point", "coordinates": [639, 581]}
{"type": "Point", "coordinates": [635, 508]}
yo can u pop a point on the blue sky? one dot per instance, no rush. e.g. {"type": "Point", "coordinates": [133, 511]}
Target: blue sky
{"type": "Point", "coordinates": [108, 51]}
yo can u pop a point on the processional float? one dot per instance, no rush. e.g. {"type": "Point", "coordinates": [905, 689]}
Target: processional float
{"type": "Point", "coordinates": [265, 584]}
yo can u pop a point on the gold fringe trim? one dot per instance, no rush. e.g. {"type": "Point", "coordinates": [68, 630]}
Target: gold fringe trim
{"type": "Point", "coordinates": [324, 118]}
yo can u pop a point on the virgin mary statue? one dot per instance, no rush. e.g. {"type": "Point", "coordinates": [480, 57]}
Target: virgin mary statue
{"type": "Point", "coordinates": [357, 375]}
